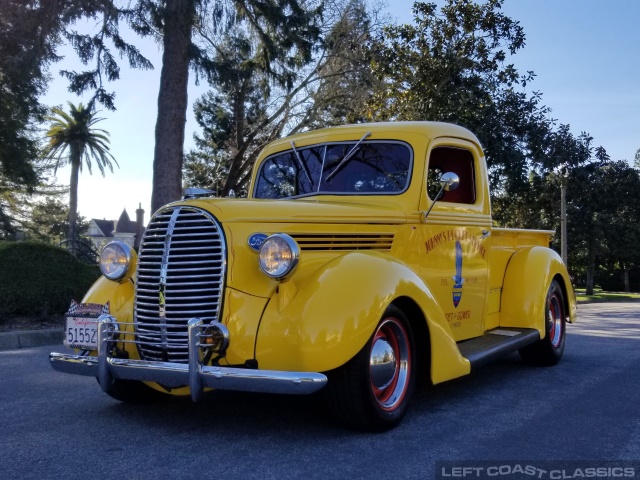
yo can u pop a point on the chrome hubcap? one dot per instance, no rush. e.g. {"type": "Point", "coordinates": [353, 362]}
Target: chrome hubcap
{"type": "Point", "coordinates": [382, 364]}
{"type": "Point", "coordinates": [390, 364]}
{"type": "Point", "coordinates": [555, 319]}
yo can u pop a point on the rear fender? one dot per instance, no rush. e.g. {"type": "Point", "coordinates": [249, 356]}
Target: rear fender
{"type": "Point", "coordinates": [527, 278]}
{"type": "Point", "coordinates": [333, 314]}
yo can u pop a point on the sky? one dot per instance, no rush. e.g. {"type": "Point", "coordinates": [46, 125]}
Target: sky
{"type": "Point", "coordinates": [585, 54]}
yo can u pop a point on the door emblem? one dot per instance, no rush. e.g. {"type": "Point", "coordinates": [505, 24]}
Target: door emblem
{"type": "Point", "coordinates": [457, 279]}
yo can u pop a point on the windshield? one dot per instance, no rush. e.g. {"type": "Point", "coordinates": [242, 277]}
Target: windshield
{"type": "Point", "coordinates": [379, 168]}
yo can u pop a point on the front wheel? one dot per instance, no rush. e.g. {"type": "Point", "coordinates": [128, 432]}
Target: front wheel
{"type": "Point", "coordinates": [373, 390]}
{"type": "Point", "coordinates": [133, 391]}
{"type": "Point", "coordinates": [549, 350]}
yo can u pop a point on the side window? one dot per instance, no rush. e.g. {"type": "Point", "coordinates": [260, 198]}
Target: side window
{"type": "Point", "coordinates": [455, 160]}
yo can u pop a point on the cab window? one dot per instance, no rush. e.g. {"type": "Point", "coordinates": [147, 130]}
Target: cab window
{"type": "Point", "coordinates": [455, 160]}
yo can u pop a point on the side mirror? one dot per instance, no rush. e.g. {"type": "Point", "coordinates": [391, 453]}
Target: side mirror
{"type": "Point", "coordinates": [449, 181]}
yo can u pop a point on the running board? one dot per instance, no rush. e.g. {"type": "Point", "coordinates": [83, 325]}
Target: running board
{"type": "Point", "coordinates": [496, 343]}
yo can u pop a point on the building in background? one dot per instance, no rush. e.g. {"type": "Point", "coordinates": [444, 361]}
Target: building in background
{"type": "Point", "coordinates": [102, 232]}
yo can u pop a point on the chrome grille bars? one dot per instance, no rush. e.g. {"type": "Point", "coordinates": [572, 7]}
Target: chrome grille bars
{"type": "Point", "coordinates": [181, 271]}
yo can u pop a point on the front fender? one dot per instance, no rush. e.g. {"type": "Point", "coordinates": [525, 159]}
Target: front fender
{"type": "Point", "coordinates": [334, 313]}
{"type": "Point", "coordinates": [119, 296]}
{"type": "Point", "coordinates": [526, 282]}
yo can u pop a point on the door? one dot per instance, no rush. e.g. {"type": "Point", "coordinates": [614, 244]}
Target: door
{"type": "Point", "coordinates": [454, 259]}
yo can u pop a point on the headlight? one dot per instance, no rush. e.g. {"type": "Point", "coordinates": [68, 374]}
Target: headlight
{"type": "Point", "coordinates": [279, 255]}
{"type": "Point", "coordinates": [117, 260]}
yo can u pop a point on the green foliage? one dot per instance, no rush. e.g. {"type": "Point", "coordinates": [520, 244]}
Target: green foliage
{"type": "Point", "coordinates": [280, 34]}
{"type": "Point", "coordinates": [48, 221]}
{"type": "Point", "coordinates": [30, 32]}
{"type": "Point", "coordinates": [72, 139]}
{"type": "Point", "coordinates": [24, 53]}
{"type": "Point", "coordinates": [599, 296]}
{"type": "Point", "coordinates": [535, 203]}
{"type": "Point", "coordinates": [452, 66]}
{"type": "Point", "coordinates": [99, 47]}
{"type": "Point", "coordinates": [249, 106]}
{"type": "Point", "coordinates": [38, 279]}
{"type": "Point", "coordinates": [274, 38]}
{"type": "Point", "coordinates": [603, 220]}
{"type": "Point", "coordinates": [343, 82]}
{"type": "Point", "coordinates": [17, 199]}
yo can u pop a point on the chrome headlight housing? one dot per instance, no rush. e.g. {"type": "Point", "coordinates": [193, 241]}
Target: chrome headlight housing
{"type": "Point", "coordinates": [117, 261]}
{"type": "Point", "coordinates": [278, 256]}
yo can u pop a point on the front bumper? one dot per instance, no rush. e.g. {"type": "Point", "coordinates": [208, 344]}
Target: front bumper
{"type": "Point", "coordinates": [197, 376]}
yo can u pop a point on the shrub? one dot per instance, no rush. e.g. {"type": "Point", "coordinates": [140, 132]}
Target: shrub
{"type": "Point", "coordinates": [37, 279]}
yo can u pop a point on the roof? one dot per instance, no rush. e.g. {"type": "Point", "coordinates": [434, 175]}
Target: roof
{"type": "Point", "coordinates": [428, 129]}
{"type": "Point", "coordinates": [105, 226]}
{"type": "Point", "coordinates": [124, 224]}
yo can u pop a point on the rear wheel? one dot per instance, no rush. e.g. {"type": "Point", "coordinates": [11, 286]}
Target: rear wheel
{"type": "Point", "coordinates": [374, 389]}
{"type": "Point", "coordinates": [549, 350]}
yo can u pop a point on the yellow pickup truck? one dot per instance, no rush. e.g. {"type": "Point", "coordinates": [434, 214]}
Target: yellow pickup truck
{"type": "Point", "coordinates": [363, 261]}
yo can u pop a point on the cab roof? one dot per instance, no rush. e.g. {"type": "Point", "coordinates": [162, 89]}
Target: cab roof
{"type": "Point", "coordinates": [427, 129]}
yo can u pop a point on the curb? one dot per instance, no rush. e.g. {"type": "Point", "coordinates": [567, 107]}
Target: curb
{"type": "Point", "coordinates": [30, 338]}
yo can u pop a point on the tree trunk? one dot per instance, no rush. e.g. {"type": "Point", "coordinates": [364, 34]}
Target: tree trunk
{"type": "Point", "coordinates": [235, 169]}
{"type": "Point", "coordinates": [591, 266]}
{"type": "Point", "coordinates": [172, 103]}
{"type": "Point", "coordinates": [625, 276]}
{"type": "Point", "coordinates": [73, 204]}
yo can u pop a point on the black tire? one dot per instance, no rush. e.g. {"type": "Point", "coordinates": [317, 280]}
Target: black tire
{"type": "Point", "coordinates": [133, 391]}
{"type": "Point", "coordinates": [373, 390]}
{"type": "Point", "coordinates": [549, 350]}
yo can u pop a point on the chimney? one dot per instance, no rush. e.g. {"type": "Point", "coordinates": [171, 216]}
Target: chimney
{"type": "Point", "coordinates": [139, 226]}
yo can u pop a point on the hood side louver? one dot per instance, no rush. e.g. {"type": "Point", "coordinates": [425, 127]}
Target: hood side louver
{"type": "Point", "coordinates": [344, 241]}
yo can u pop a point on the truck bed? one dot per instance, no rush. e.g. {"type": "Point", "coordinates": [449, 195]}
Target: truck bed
{"type": "Point", "coordinates": [519, 237]}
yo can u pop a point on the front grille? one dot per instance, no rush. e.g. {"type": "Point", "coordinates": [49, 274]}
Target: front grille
{"type": "Point", "coordinates": [344, 241]}
{"type": "Point", "coordinates": [183, 258]}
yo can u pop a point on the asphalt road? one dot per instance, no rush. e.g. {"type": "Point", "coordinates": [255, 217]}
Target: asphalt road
{"type": "Point", "coordinates": [587, 408]}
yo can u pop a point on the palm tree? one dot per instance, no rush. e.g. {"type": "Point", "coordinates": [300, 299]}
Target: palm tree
{"type": "Point", "coordinates": [73, 141]}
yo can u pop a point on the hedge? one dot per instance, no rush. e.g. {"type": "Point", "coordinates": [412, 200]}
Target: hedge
{"type": "Point", "coordinates": [40, 280]}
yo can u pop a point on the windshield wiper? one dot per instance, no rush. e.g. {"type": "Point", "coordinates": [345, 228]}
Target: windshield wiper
{"type": "Point", "coordinates": [346, 158]}
{"type": "Point", "coordinates": [301, 164]}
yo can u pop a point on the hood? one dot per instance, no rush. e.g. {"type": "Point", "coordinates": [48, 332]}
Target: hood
{"type": "Point", "coordinates": [300, 210]}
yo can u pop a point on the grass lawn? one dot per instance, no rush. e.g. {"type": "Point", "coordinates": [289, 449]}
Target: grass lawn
{"type": "Point", "coordinates": [600, 296]}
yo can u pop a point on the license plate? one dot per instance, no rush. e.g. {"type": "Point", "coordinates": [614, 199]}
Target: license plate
{"type": "Point", "coordinates": [81, 333]}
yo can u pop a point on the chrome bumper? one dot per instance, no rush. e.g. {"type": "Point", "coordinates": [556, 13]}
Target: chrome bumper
{"type": "Point", "coordinates": [194, 374]}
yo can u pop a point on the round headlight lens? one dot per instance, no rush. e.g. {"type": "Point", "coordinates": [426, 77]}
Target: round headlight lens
{"type": "Point", "coordinates": [279, 255]}
{"type": "Point", "coordinates": [115, 260]}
